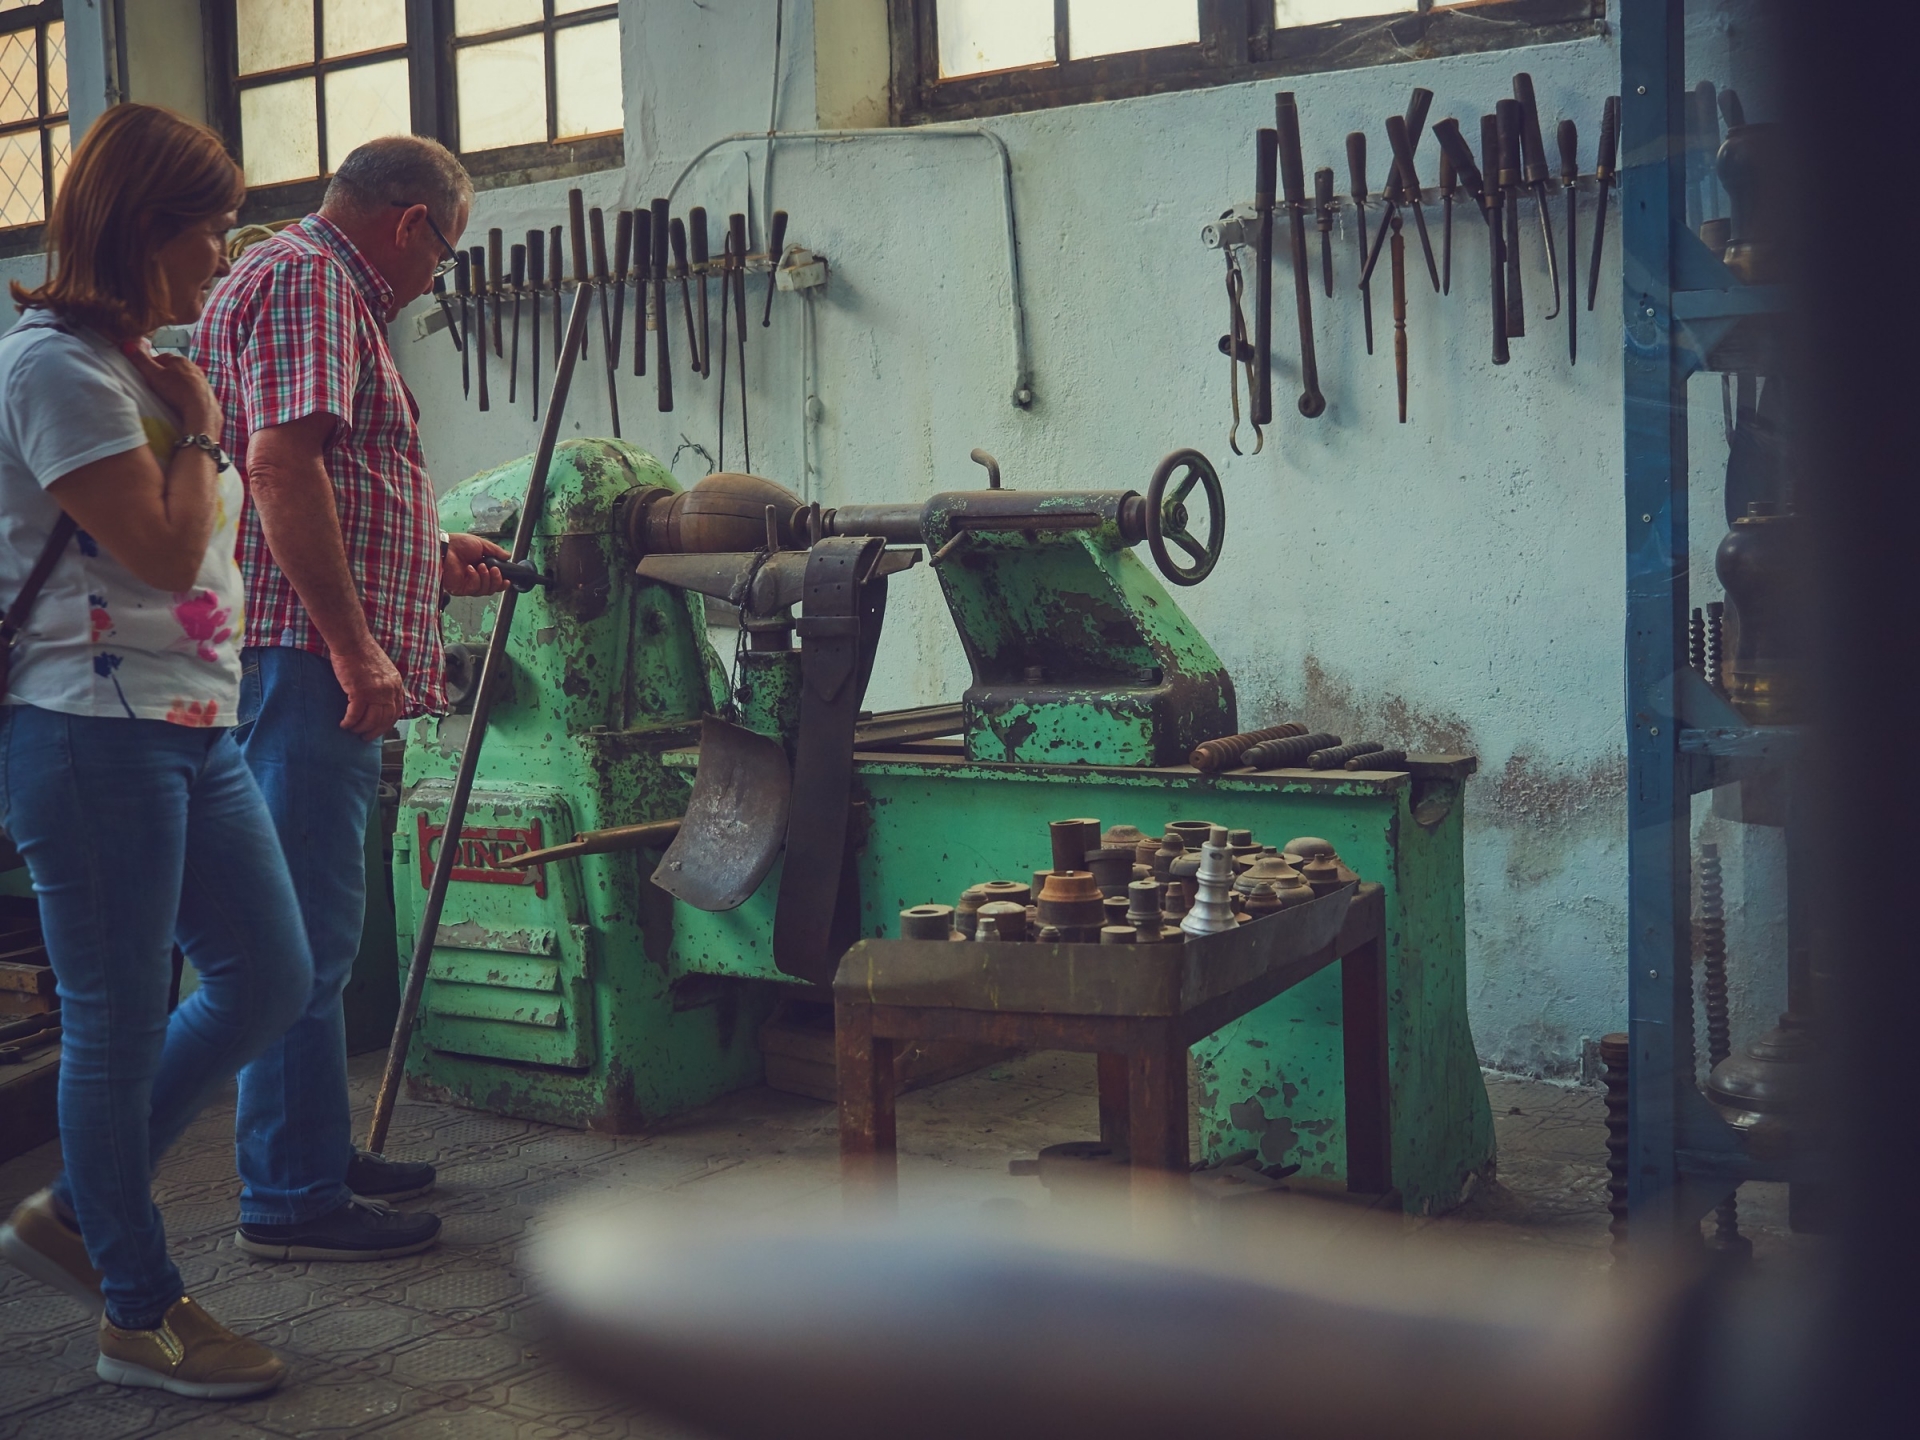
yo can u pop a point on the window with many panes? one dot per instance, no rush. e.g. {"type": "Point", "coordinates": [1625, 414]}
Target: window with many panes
{"type": "Point", "coordinates": [34, 143]}
{"type": "Point", "coordinates": [512, 85]}
{"type": "Point", "coordinates": [986, 57]}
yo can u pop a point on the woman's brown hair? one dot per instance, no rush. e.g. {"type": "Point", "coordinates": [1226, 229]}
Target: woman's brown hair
{"type": "Point", "coordinates": [140, 176]}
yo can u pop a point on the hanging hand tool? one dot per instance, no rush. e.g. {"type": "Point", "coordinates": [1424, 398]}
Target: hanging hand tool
{"type": "Point", "coordinates": [1401, 191]}
{"type": "Point", "coordinates": [517, 260]}
{"type": "Point", "coordinates": [597, 228]}
{"type": "Point", "coordinates": [1703, 143]}
{"type": "Point", "coordinates": [1534, 170]}
{"type": "Point", "coordinates": [497, 280]}
{"type": "Point", "coordinates": [1400, 313]}
{"type": "Point", "coordinates": [1731, 110]}
{"type": "Point", "coordinates": [577, 244]}
{"type": "Point", "coordinates": [536, 282]}
{"type": "Point", "coordinates": [554, 270]}
{"type": "Point", "coordinates": [1569, 136]}
{"type": "Point", "coordinates": [477, 268]}
{"type": "Point", "coordinates": [677, 233]}
{"type": "Point", "coordinates": [726, 279]}
{"type": "Point", "coordinates": [1496, 234]}
{"type": "Point", "coordinates": [1449, 183]}
{"type": "Point", "coordinates": [445, 302]}
{"type": "Point", "coordinates": [645, 302]}
{"type": "Point", "coordinates": [1266, 153]}
{"type": "Point", "coordinates": [663, 336]}
{"type": "Point", "coordinates": [1357, 188]}
{"type": "Point", "coordinates": [1508, 119]}
{"type": "Point", "coordinates": [463, 288]}
{"type": "Point", "coordinates": [1239, 352]}
{"type": "Point", "coordinates": [1602, 181]}
{"type": "Point", "coordinates": [1406, 188]}
{"type": "Point", "coordinates": [1293, 181]}
{"type": "Point", "coordinates": [622, 256]}
{"type": "Point", "coordinates": [775, 249]}
{"type": "Point", "coordinates": [697, 237]}
{"type": "Point", "coordinates": [1453, 145]}
{"type": "Point", "coordinates": [737, 232]}
{"type": "Point", "coordinates": [493, 670]}
{"type": "Point", "coordinates": [1323, 221]}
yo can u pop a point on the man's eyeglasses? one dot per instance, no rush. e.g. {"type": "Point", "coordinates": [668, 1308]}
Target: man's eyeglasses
{"type": "Point", "coordinates": [453, 256]}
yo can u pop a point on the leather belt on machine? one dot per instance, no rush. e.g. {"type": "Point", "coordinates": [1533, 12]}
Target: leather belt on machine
{"type": "Point", "coordinates": [841, 611]}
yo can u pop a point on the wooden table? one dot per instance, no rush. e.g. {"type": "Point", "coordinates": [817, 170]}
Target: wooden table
{"type": "Point", "coordinates": [1138, 1008]}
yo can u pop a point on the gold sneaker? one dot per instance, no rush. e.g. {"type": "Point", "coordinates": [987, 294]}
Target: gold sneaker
{"type": "Point", "coordinates": [43, 1245]}
{"type": "Point", "coordinates": [188, 1353]}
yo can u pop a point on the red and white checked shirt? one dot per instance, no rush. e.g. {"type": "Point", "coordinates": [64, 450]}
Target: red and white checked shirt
{"type": "Point", "coordinates": [299, 329]}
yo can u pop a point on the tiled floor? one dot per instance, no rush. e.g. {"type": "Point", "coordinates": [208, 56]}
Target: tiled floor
{"type": "Point", "coordinates": [449, 1344]}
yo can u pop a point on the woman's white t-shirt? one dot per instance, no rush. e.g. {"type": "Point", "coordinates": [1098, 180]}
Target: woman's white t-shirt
{"type": "Point", "coordinates": [99, 641]}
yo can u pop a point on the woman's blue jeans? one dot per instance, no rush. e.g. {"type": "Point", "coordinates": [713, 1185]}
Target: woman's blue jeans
{"type": "Point", "coordinates": [139, 834]}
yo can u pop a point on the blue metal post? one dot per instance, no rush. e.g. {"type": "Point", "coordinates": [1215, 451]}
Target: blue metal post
{"type": "Point", "coordinates": [1652, 175]}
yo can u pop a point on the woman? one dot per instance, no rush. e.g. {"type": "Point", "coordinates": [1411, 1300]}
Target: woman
{"type": "Point", "coordinates": [119, 781]}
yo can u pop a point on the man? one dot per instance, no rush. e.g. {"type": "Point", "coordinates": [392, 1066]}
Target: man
{"type": "Point", "coordinates": [344, 562]}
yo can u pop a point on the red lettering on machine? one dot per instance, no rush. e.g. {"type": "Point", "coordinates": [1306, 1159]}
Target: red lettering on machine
{"type": "Point", "coordinates": [482, 848]}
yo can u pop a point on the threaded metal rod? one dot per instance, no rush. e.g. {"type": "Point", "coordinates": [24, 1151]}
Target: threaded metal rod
{"type": "Point", "coordinates": [1223, 753]}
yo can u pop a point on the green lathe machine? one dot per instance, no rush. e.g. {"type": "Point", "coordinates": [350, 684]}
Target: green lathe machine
{"type": "Point", "coordinates": [718, 830]}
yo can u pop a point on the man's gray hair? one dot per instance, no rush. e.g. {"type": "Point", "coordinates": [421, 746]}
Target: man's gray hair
{"type": "Point", "coordinates": [401, 170]}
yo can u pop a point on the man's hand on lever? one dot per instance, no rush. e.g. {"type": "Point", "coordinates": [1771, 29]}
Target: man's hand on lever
{"type": "Point", "coordinates": [463, 567]}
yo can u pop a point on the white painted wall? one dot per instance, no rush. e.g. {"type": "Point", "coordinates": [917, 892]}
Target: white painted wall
{"type": "Point", "coordinates": [1452, 583]}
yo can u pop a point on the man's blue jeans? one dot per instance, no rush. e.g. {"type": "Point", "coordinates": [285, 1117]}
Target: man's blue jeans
{"type": "Point", "coordinates": [138, 834]}
{"type": "Point", "coordinates": [294, 1132]}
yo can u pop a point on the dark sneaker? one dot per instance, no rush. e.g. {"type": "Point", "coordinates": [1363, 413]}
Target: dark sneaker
{"type": "Point", "coordinates": [375, 1177]}
{"type": "Point", "coordinates": [358, 1230]}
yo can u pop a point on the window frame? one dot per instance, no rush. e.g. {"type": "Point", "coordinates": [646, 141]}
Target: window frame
{"type": "Point", "coordinates": [430, 48]}
{"type": "Point", "coordinates": [1237, 43]}
{"type": "Point", "coordinates": [27, 239]}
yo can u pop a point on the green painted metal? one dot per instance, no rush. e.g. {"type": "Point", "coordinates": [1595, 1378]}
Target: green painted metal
{"type": "Point", "coordinates": [1079, 655]}
{"type": "Point", "coordinates": [542, 999]}
{"type": "Point", "coordinates": [579, 992]}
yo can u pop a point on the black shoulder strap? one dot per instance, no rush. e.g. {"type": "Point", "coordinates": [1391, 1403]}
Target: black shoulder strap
{"type": "Point", "coordinates": [16, 615]}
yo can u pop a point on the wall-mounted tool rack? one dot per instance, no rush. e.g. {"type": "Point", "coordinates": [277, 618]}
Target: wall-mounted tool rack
{"type": "Point", "coordinates": [1684, 313]}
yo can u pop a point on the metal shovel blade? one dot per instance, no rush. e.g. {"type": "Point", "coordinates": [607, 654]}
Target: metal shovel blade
{"type": "Point", "coordinates": [736, 820]}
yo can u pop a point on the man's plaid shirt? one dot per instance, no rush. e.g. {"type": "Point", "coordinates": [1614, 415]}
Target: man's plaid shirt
{"type": "Point", "coordinates": [298, 329]}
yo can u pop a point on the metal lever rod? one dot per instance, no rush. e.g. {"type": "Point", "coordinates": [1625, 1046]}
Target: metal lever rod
{"type": "Point", "coordinates": [491, 671]}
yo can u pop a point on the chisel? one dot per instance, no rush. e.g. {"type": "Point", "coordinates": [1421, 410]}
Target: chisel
{"type": "Point", "coordinates": [517, 269]}
{"type": "Point", "coordinates": [1602, 181]}
{"type": "Point", "coordinates": [1398, 190]}
{"type": "Point", "coordinates": [445, 302]}
{"type": "Point", "coordinates": [1293, 181]}
{"type": "Point", "coordinates": [1453, 145]}
{"type": "Point", "coordinates": [536, 282]}
{"type": "Point", "coordinates": [663, 336]}
{"type": "Point", "coordinates": [697, 240]}
{"type": "Point", "coordinates": [1534, 171]}
{"type": "Point", "coordinates": [577, 245]}
{"type": "Point", "coordinates": [1703, 143]}
{"type": "Point", "coordinates": [726, 279]}
{"type": "Point", "coordinates": [597, 229]}
{"type": "Point", "coordinates": [644, 300]}
{"type": "Point", "coordinates": [477, 268]}
{"type": "Point", "coordinates": [463, 288]}
{"type": "Point", "coordinates": [1507, 122]}
{"type": "Point", "coordinates": [1357, 188]}
{"type": "Point", "coordinates": [622, 255]}
{"type": "Point", "coordinates": [1323, 221]}
{"type": "Point", "coordinates": [1266, 153]}
{"type": "Point", "coordinates": [677, 233]}
{"type": "Point", "coordinates": [775, 249]}
{"type": "Point", "coordinates": [497, 279]}
{"type": "Point", "coordinates": [1400, 313]}
{"type": "Point", "coordinates": [554, 270]}
{"type": "Point", "coordinates": [737, 233]}
{"type": "Point", "coordinates": [1496, 234]}
{"type": "Point", "coordinates": [1569, 136]}
{"type": "Point", "coordinates": [1407, 181]}
{"type": "Point", "coordinates": [1449, 183]}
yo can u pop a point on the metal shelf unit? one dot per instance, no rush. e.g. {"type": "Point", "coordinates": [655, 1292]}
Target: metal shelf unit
{"type": "Point", "coordinates": [1684, 314]}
